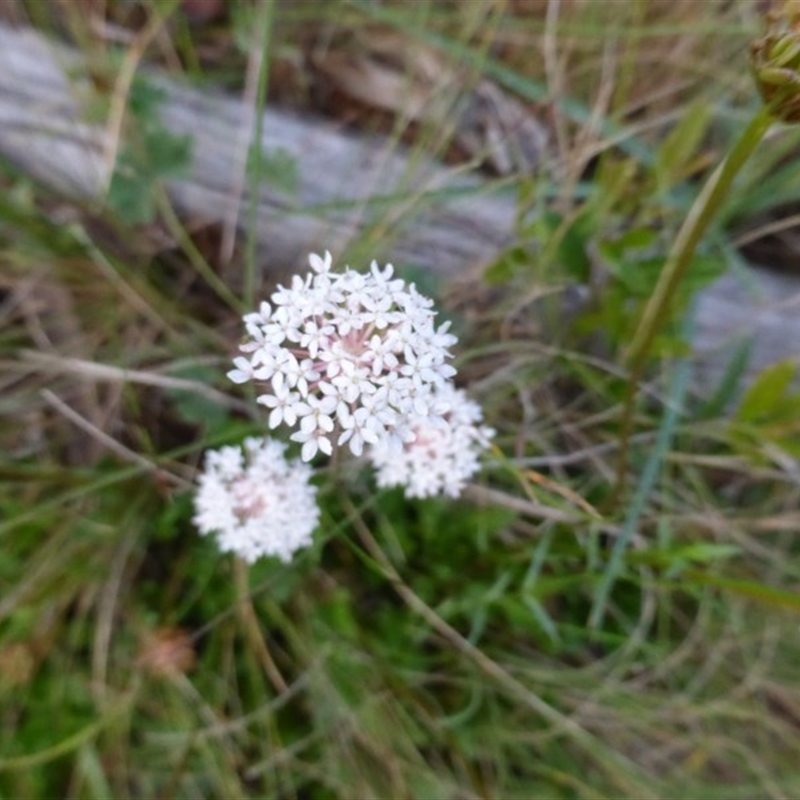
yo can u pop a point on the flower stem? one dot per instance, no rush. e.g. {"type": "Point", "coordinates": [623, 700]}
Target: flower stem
{"type": "Point", "coordinates": [252, 627]}
{"type": "Point", "coordinates": [705, 206]}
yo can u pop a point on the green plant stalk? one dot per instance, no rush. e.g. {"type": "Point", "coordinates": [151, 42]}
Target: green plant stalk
{"type": "Point", "coordinates": [256, 161]}
{"type": "Point", "coordinates": [196, 258]}
{"type": "Point", "coordinates": [69, 744]}
{"type": "Point", "coordinates": [677, 395]}
{"type": "Point", "coordinates": [707, 204]}
{"type": "Point", "coordinates": [700, 215]}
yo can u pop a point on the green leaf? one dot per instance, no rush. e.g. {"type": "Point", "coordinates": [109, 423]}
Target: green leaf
{"type": "Point", "coordinates": [277, 168]}
{"type": "Point", "coordinates": [680, 146]}
{"type": "Point", "coordinates": [573, 252]}
{"type": "Point", "coordinates": [767, 393]}
{"type": "Point", "coordinates": [151, 153]}
{"type": "Point", "coordinates": [728, 386]}
{"type": "Point", "coordinates": [144, 98]}
{"type": "Point", "coordinates": [194, 407]}
{"type": "Point", "coordinates": [703, 269]}
{"type": "Point", "coordinates": [680, 556]}
{"type": "Point", "coordinates": [631, 259]}
{"type": "Point", "coordinates": [166, 155]}
{"type": "Point", "coordinates": [130, 197]}
{"type": "Point", "coordinates": [640, 239]}
{"type": "Point", "coordinates": [768, 595]}
{"type": "Point", "coordinates": [507, 266]}
{"type": "Point", "coordinates": [706, 552]}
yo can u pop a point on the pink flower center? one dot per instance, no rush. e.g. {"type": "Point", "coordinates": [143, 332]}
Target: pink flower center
{"type": "Point", "coordinates": [248, 501]}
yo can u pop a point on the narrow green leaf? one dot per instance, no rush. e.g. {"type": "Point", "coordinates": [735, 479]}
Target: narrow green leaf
{"type": "Point", "coordinates": [679, 385]}
{"type": "Point", "coordinates": [767, 595]}
{"type": "Point", "coordinates": [728, 386]}
{"type": "Point", "coordinates": [680, 146]}
{"type": "Point", "coordinates": [706, 552]}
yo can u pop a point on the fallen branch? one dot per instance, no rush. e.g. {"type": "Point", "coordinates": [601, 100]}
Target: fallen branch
{"type": "Point", "coordinates": [407, 208]}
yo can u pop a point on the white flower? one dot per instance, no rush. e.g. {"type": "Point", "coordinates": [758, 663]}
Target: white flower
{"type": "Point", "coordinates": [440, 453]}
{"type": "Point", "coordinates": [340, 339]}
{"type": "Point", "coordinates": [382, 353]}
{"type": "Point", "coordinates": [255, 502]}
{"type": "Point", "coordinates": [316, 412]}
{"type": "Point", "coordinates": [283, 404]}
{"type": "Point", "coordinates": [313, 440]}
{"type": "Point", "coordinates": [317, 264]}
{"type": "Point", "coordinates": [315, 336]}
{"type": "Point", "coordinates": [361, 427]}
{"type": "Point", "coordinates": [244, 370]}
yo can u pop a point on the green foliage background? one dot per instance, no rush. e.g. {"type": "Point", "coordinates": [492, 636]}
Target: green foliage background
{"type": "Point", "coordinates": [557, 632]}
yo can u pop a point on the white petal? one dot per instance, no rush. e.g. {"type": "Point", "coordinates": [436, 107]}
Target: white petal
{"type": "Point", "coordinates": [309, 450]}
{"type": "Point", "coordinates": [289, 415]}
{"type": "Point", "coordinates": [318, 264]}
{"type": "Point", "coordinates": [237, 376]}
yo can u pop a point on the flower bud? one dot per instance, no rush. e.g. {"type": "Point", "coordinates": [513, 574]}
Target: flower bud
{"type": "Point", "coordinates": [776, 62]}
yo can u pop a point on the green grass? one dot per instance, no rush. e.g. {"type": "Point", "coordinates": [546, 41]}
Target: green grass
{"type": "Point", "coordinates": [552, 633]}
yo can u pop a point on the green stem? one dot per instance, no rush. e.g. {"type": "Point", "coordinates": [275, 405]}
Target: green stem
{"type": "Point", "coordinates": [707, 204]}
{"type": "Point", "coordinates": [703, 209]}
{"type": "Point", "coordinates": [256, 160]}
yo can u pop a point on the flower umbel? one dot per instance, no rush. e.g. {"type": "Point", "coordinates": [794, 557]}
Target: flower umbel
{"type": "Point", "coordinates": [348, 358]}
{"type": "Point", "coordinates": [443, 454]}
{"type": "Point", "coordinates": [255, 501]}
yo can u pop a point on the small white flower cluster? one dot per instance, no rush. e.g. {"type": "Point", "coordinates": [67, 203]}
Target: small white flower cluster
{"type": "Point", "coordinates": [442, 457]}
{"type": "Point", "coordinates": [347, 357]}
{"type": "Point", "coordinates": [255, 501]}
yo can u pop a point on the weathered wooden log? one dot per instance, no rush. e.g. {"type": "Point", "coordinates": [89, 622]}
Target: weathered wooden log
{"type": "Point", "coordinates": [438, 218]}
{"type": "Point", "coordinates": [341, 177]}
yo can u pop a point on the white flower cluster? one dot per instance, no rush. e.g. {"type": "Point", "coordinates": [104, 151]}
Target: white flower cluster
{"type": "Point", "coordinates": [255, 501]}
{"type": "Point", "coordinates": [348, 358]}
{"type": "Point", "coordinates": [441, 457]}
